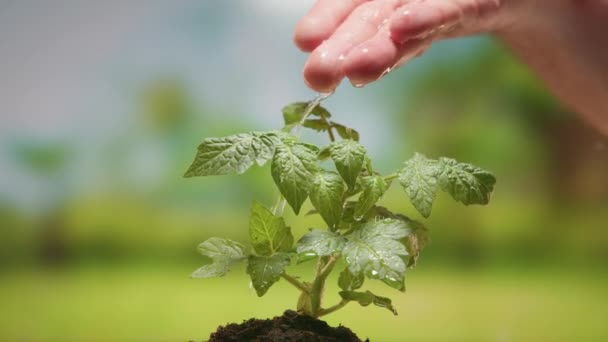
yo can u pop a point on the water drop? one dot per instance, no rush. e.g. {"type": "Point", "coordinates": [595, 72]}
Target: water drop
{"type": "Point", "coordinates": [386, 72]}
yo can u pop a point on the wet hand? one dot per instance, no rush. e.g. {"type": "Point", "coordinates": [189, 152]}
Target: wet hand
{"type": "Point", "coordinates": [363, 39]}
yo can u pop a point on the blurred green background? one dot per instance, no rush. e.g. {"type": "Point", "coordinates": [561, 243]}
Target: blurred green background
{"type": "Point", "coordinates": [102, 105]}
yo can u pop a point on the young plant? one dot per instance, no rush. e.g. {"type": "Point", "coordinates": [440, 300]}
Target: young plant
{"type": "Point", "coordinates": [371, 241]}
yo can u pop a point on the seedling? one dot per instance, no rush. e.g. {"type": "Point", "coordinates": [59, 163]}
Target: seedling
{"type": "Point", "coordinates": [372, 241]}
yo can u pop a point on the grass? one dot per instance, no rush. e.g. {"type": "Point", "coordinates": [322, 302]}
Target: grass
{"type": "Point", "coordinates": [161, 304]}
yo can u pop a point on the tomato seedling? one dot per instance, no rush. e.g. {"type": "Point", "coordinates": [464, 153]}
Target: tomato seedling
{"type": "Point", "coordinates": [372, 241]}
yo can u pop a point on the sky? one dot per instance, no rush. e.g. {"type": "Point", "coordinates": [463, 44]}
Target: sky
{"type": "Point", "coordinates": [70, 70]}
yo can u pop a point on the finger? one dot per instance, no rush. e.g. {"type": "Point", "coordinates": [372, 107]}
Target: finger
{"type": "Point", "coordinates": [321, 21]}
{"type": "Point", "coordinates": [420, 18]}
{"type": "Point", "coordinates": [376, 57]}
{"type": "Point", "coordinates": [323, 71]}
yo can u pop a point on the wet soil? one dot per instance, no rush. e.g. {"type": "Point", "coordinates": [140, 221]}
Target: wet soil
{"type": "Point", "coordinates": [289, 327]}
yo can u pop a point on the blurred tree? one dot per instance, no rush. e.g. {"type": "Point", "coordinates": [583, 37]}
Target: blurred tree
{"type": "Point", "coordinates": [47, 163]}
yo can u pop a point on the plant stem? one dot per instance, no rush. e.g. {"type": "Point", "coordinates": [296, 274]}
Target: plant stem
{"type": "Point", "coordinates": [334, 308]}
{"type": "Point", "coordinates": [330, 133]}
{"type": "Point", "coordinates": [391, 177]}
{"type": "Point", "coordinates": [368, 163]}
{"type": "Point", "coordinates": [293, 281]}
{"type": "Point", "coordinates": [324, 268]}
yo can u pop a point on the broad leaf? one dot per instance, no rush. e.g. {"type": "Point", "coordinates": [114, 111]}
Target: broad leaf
{"type": "Point", "coordinates": [266, 270]}
{"type": "Point", "coordinates": [293, 167]}
{"type": "Point", "coordinates": [268, 233]}
{"type": "Point", "coordinates": [348, 281]}
{"type": "Point", "coordinates": [373, 188]}
{"type": "Point", "coordinates": [349, 156]}
{"type": "Point", "coordinates": [320, 243]}
{"type": "Point", "coordinates": [326, 196]}
{"type": "Point", "coordinates": [465, 182]}
{"type": "Point", "coordinates": [345, 132]}
{"type": "Point", "coordinates": [366, 298]}
{"type": "Point", "coordinates": [419, 179]}
{"type": "Point", "coordinates": [375, 250]}
{"type": "Point", "coordinates": [223, 253]}
{"type": "Point", "coordinates": [233, 154]}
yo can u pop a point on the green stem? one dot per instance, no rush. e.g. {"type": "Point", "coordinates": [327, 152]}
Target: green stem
{"type": "Point", "coordinates": [334, 308]}
{"type": "Point", "coordinates": [370, 169]}
{"type": "Point", "coordinates": [324, 268]}
{"type": "Point", "coordinates": [330, 133]}
{"type": "Point", "coordinates": [391, 177]}
{"type": "Point", "coordinates": [293, 281]}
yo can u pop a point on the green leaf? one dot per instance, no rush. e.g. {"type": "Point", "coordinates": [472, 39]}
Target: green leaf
{"type": "Point", "coordinates": [268, 233]}
{"type": "Point", "coordinates": [373, 189]}
{"type": "Point", "coordinates": [375, 250]}
{"type": "Point", "coordinates": [349, 156]}
{"type": "Point", "coordinates": [233, 154]}
{"type": "Point", "coordinates": [323, 154]}
{"type": "Point", "coordinates": [319, 125]}
{"type": "Point", "coordinates": [348, 281]}
{"type": "Point", "coordinates": [465, 182]}
{"type": "Point", "coordinates": [320, 243]}
{"type": "Point", "coordinates": [366, 298]}
{"type": "Point", "coordinates": [223, 252]}
{"type": "Point", "coordinates": [419, 179]}
{"type": "Point", "coordinates": [293, 167]}
{"type": "Point", "coordinates": [266, 270]}
{"type": "Point", "coordinates": [294, 113]}
{"type": "Point", "coordinates": [326, 196]}
{"type": "Point", "coordinates": [345, 132]}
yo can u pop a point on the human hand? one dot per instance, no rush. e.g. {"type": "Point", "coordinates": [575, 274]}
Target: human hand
{"type": "Point", "coordinates": [363, 39]}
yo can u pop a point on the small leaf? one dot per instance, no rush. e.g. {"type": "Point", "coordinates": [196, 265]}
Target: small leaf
{"type": "Point", "coordinates": [326, 196]}
{"type": "Point", "coordinates": [293, 113]}
{"type": "Point", "coordinates": [419, 179]}
{"type": "Point", "coordinates": [373, 189]}
{"type": "Point", "coordinates": [465, 182]}
{"type": "Point", "coordinates": [323, 154]}
{"type": "Point", "coordinates": [320, 242]}
{"type": "Point", "coordinates": [349, 156]}
{"type": "Point", "coordinates": [348, 281]}
{"type": "Point", "coordinates": [318, 125]}
{"type": "Point", "coordinates": [223, 253]}
{"type": "Point", "coordinates": [415, 241]}
{"type": "Point", "coordinates": [374, 249]}
{"type": "Point", "coordinates": [345, 132]}
{"type": "Point", "coordinates": [266, 270]}
{"type": "Point", "coordinates": [268, 233]}
{"type": "Point", "coordinates": [293, 167]}
{"type": "Point", "coordinates": [233, 154]}
{"type": "Point", "coordinates": [366, 298]}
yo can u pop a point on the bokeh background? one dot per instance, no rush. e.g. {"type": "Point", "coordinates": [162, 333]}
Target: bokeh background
{"type": "Point", "coordinates": [102, 104]}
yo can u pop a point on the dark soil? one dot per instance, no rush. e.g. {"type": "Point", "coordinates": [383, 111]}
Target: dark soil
{"type": "Point", "coordinates": [290, 327]}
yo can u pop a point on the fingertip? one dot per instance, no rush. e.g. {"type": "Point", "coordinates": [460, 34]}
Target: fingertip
{"type": "Point", "coordinates": [322, 75]}
{"type": "Point", "coordinates": [371, 60]}
{"type": "Point", "coordinates": [309, 34]}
